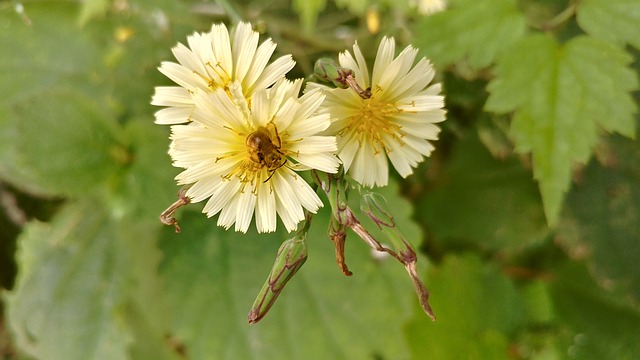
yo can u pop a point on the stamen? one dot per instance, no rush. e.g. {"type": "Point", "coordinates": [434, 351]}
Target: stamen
{"type": "Point", "coordinates": [221, 72]}
{"type": "Point", "coordinates": [373, 121]}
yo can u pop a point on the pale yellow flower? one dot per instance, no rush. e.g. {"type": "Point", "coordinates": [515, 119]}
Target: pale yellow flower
{"type": "Point", "coordinates": [396, 123]}
{"type": "Point", "coordinates": [244, 160]}
{"type": "Point", "coordinates": [428, 7]}
{"type": "Point", "coordinates": [212, 61]}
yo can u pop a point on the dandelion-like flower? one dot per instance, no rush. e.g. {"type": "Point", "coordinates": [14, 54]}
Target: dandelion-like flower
{"type": "Point", "coordinates": [394, 120]}
{"type": "Point", "coordinates": [244, 160]}
{"type": "Point", "coordinates": [212, 61]}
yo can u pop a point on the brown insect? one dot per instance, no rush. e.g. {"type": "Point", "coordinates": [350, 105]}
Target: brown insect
{"type": "Point", "coordinates": [264, 148]}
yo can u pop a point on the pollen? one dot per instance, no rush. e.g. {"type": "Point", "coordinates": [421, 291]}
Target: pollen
{"type": "Point", "coordinates": [373, 121]}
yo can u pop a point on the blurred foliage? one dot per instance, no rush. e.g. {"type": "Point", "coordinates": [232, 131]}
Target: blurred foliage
{"type": "Point", "coordinates": [528, 213]}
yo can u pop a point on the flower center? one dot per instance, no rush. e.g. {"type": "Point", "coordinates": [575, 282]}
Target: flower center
{"type": "Point", "coordinates": [375, 119]}
{"type": "Point", "coordinates": [264, 156]}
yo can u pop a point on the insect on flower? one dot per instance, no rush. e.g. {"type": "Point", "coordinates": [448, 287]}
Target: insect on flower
{"type": "Point", "coordinates": [245, 159]}
{"type": "Point", "coordinates": [264, 148]}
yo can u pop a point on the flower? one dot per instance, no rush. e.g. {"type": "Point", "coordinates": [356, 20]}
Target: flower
{"type": "Point", "coordinates": [394, 120]}
{"type": "Point", "coordinates": [212, 61]}
{"type": "Point", "coordinates": [244, 160]}
{"type": "Point", "coordinates": [428, 7]}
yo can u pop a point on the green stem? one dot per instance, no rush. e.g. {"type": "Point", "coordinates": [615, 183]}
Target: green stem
{"type": "Point", "coordinates": [230, 10]}
{"type": "Point", "coordinates": [561, 18]}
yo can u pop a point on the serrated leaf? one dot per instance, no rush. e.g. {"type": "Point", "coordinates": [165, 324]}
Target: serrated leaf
{"type": "Point", "coordinates": [86, 288]}
{"type": "Point", "coordinates": [601, 217]}
{"type": "Point", "coordinates": [602, 327]}
{"type": "Point", "coordinates": [474, 30]}
{"type": "Point", "coordinates": [308, 11]}
{"type": "Point", "coordinates": [483, 202]}
{"type": "Point", "coordinates": [68, 291]}
{"type": "Point", "coordinates": [560, 95]}
{"type": "Point", "coordinates": [478, 308]}
{"type": "Point", "coordinates": [213, 277]}
{"type": "Point", "coordinates": [615, 21]}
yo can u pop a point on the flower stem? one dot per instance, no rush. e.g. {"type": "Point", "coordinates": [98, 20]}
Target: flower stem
{"type": "Point", "coordinates": [561, 18]}
{"type": "Point", "coordinates": [374, 206]}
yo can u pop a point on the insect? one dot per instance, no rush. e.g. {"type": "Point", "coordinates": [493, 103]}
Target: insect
{"type": "Point", "coordinates": [263, 146]}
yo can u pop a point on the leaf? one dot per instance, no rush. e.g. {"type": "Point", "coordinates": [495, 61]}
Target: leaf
{"type": "Point", "coordinates": [357, 7]}
{"type": "Point", "coordinates": [35, 64]}
{"type": "Point", "coordinates": [477, 31]}
{"type": "Point", "coordinates": [64, 142]}
{"type": "Point", "coordinates": [57, 140]}
{"type": "Point", "coordinates": [86, 288]}
{"type": "Point", "coordinates": [478, 311]}
{"type": "Point", "coordinates": [67, 289]}
{"type": "Point", "coordinates": [601, 326]}
{"type": "Point", "coordinates": [91, 9]}
{"type": "Point", "coordinates": [560, 95]}
{"type": "Point", "coordinates": [600, 220]}
{"type": "Point", "coordinates": [308, 11]}
{"type": "Point", "coordinates": [483, 202]}
{"type": "Point", "coordinates": [615, 21]}
{"type": "Point", "coordinates": [147, 186]}
{"type": "Point", "coordinates": [213, 277]}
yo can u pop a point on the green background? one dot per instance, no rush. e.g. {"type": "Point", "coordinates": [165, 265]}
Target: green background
{"type": "Point", "coordinates": [526, 217]}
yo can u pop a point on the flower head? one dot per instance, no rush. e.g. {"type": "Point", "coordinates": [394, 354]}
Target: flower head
{"type": "Point", "coordinates": [394, 118]}
{"type": "Point", "coordinates": [212, 61]}
{"type": "Point", "coordinates": [244, 160]}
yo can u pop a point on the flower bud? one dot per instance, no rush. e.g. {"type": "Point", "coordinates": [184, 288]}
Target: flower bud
{"type": "Point", "coordinates": [291, 255]}
{"type": "Point", "coordinates": [328, 70]}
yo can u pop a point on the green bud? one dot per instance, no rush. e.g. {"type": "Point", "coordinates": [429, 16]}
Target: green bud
{"type": "Point", "coordinates": [376, 207]}
{"type": "Point", "coordinates": [328, 70]}
{"type": "Point", "coordinates": [291, 256]}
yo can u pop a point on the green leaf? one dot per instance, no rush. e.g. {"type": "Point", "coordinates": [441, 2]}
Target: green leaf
{"type": "Point", "coordinates": [67, 290]}
{"type": "Point", "coordinates": [601, 326]}
{"type": "Point", "coordinates": [474, 30]}
{"type": "Point", "coordinates": [58, 135]}
{"type": "Point", "coordinates": [64, 142]}
{"type": "Point", "coordinates": [36, 64]}
{"type": "Point", "coordinates": [87, 289]}
{"type": "Point", "coordinates": [308, 11]}
{"type": "Point", "coordinates": [537, 300]}
{"type": "Point", "coordinates": [601, 216]}
{"type": "Point", "coordinates": [146, 187]}
{"type": "Point", "coordinates": [560, 95]}
{"type": "Point", "coordinates": [615, 21]}
{"type": "Point", "coordinates": [213, 277]}
{"type": "Point", "coordinates": [357, 7]}
{"type": "Point", "coordinates": [91, 9]}
{"type": "Point", "coordinates": [483, 202]}
{"type": "Point", "coordinates": [478, 310]}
